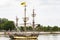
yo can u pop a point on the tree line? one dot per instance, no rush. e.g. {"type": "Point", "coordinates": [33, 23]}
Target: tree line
{"type": "Point", "coordinates": [9, 25]}
{"type": "Point", "coordinates": [41, 28]}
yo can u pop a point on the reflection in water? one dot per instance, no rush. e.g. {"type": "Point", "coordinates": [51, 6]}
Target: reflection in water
{"type": "Point", "coordinates": [54, 37]}
{"type": "Point", "coordinates": [41, 37]}
{"type": "Point", "coordinates": [24, 39]}
{"type": "Point", "coordinates": [49, 37]}
{"type": "Point", "coordinates": [4, 38]}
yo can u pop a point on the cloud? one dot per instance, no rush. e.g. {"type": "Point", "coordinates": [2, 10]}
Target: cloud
{"type": "Point", "coordinates": [4, 3]}
{"type": "Point", "coordinates": [49, 2]}
{"type": "Point", "coordinates": [7, 3]}
{"type": "Point", "coordinates": [47, 11]}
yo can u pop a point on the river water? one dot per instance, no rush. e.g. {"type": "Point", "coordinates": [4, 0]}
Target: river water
{"type": "Point", "coordinates": [41, 37]}
{"type": "Point", "coordinates": [49, 37]}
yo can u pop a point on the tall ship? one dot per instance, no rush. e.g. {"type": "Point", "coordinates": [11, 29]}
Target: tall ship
{"type": "Point", "coordinates": [25, 35]}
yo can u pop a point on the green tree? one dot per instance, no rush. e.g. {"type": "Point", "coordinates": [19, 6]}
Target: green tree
{"type": "Point", "coordinates": [55, 28]}
{"type": "Point", "coordinates": [9, 25]}
{"type": "Point", "coordinates": [58, 28]}
{"type": "Point", "coordinates": [39, 27]}
{"type": "Point", "coordinates": [30, 28]}
{"type": "Point", "coordinates": [2, 21]}
{"type": "Point", "coordinates": [49, 28]}
{"type": "Point", "coordinates": [21, 28]}
{"type": "Point", "coordinates": [44, 28]}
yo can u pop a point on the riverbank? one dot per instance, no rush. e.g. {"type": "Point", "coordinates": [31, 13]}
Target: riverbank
{"type": "Point", "coordinates": [2, 33]}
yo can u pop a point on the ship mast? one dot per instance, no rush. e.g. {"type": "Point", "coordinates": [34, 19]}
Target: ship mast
{"type": "Point", "coordinates": [17, 24]}
{"type": "Point", "coordinates": [25, 17]}
{"type": "Point", "coordinates": [33, 16]}
{"type": "Point", "coordinates": [24, 5]}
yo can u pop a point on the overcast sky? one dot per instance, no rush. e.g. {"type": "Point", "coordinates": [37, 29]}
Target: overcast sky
{"type": "Point", "coordinates": [47, 11]}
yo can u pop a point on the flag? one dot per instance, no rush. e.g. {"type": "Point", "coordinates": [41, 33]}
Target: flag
{"type": "Point", "coordinates": [23, 3]}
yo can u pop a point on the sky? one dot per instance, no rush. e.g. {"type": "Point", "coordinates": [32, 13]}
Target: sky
{"type": "Point", "coordinates": [47, 11]}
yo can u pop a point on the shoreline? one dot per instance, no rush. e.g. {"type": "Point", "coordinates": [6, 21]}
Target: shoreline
{"type": "Point", "coordinates": [2, 33]}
